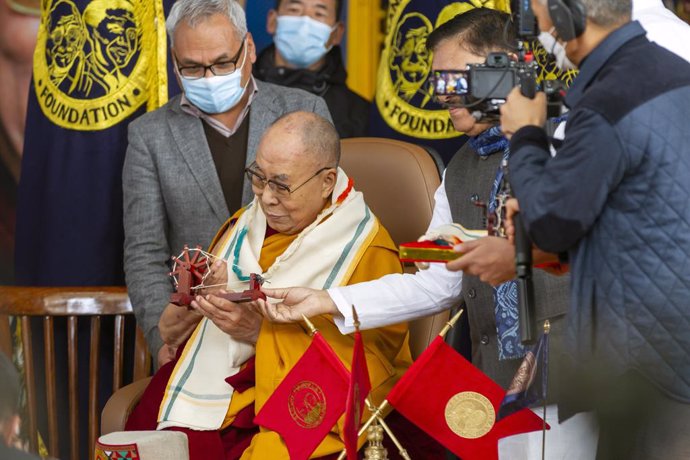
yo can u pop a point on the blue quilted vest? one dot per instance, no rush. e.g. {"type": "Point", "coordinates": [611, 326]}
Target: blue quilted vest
{"type": "Point", "coordinates": [631, 272]}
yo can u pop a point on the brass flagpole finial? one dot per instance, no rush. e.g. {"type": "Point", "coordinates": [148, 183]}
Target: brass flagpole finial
{"type": "Point", "coordinates": [355, 319]}
{"type": "Point", "coordinates": [451, 323]}
{"type": "Point", "coordinates": [547, 327]}
{"type": "Point", "coordinates": [310, 325]}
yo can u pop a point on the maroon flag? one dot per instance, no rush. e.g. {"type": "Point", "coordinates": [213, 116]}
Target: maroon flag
{"type": "Point", "coordinates": [309, 401]}
{"type": "Point", "coordinates": [359, 388]}
{"type": "Point", "coordinates": [454, 402]}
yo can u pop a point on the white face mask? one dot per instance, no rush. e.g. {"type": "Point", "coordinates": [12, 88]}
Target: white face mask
{"type": "Point", "coordinates": [557, 49]}
{"type": "Point", "coordinates": [216, 94]}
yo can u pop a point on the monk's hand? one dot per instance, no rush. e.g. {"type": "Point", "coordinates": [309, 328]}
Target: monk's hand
{"type": "Point", "coordinates": [217, 277]}
{"type": "Point", "coordinates": [491, 258]}
{"type": "Point", "coordinates": [239, 320]}
{"type": "Point", "coordinates": [177, 323]}
{"type": "Point", "coordinates": [520, 111]}
{"type": "Point", "coordinates": [295, 302]}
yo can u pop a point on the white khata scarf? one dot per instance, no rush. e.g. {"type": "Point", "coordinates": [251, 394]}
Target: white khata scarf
{"type": "Point", "coordinates": [323, 255]}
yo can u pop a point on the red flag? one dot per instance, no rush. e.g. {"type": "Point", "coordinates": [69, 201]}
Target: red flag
{"type": "Point", "coordinates": [453, 401]}
{"type": "Point", "coordinates": [309, 400]}
{"type": "Point", "coordinates": [359, 388]}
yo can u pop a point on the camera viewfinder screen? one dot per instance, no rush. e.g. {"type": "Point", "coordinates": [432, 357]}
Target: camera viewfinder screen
{"type": "Point", "coordinates": [449, 82]}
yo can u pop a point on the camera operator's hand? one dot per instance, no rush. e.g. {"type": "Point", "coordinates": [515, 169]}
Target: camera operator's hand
{"type": "Point", "coordinates": [519, 111]}
{"type": "Point", "coordinates": [491, 258]}
{"type": "Point", "coordinates": [512, 208]}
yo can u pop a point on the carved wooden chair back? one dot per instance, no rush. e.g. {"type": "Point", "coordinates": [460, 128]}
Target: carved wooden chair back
{"type": "Point", "coordinates": [75, 305]}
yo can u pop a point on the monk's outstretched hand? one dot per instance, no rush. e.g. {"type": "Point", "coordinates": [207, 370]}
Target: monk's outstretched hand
{"type": "Point", "coordinates": [295, 302]}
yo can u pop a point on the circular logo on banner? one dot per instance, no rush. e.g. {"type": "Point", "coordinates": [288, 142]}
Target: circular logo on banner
{"type": "Point", "coordinates": [404, 96]}
{"type": "Point", "coordinates": [307, 404]}
{"type": "Point", "coordinates": [470, 415]}
{"type": "Point", "coordinates": [89, 68]}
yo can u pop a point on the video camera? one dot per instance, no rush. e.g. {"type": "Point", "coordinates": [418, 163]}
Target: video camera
{"type": "Point", "coordinates": [483, 88]}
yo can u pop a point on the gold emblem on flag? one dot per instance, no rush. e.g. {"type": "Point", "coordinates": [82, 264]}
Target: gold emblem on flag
{"type": "Point", "coordinates": [307, 404]}
{"type": "Point", "coordinates": [92, 65]}
{"type": "Point", "coordinates": [470, 415]}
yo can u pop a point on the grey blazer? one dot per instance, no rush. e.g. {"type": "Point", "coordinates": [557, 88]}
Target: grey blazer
{"type": "Point", "coordinates": [172, 194]}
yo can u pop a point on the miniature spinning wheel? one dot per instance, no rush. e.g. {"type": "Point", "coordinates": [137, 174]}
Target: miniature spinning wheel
{"type": "Point", "coordinates": [188, 272]}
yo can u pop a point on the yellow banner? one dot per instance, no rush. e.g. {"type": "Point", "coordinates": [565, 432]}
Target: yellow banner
{"type": "Point", "coordinates": [96, 62]}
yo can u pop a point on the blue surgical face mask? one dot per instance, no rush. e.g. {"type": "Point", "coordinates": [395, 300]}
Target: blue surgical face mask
{"type": "Point", "coordinates": [301, 40]}
{"type": "Point", "coordinates": [216, 94]}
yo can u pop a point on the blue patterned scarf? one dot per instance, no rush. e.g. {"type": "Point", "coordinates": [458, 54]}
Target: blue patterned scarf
{"type": "Point", "coordinates": [505, 296]}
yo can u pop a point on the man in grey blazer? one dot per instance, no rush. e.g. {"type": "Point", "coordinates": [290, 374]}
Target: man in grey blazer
{"type": "Point", "coordinates": [184, 169]}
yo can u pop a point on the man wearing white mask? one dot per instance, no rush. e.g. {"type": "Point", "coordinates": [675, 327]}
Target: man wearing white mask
{"type": "Point", "coordinates": [662, 26]}
{"type": "Point", "coordinates": [305, 54]}
{"type": "Point", "coordinates": [184, 169]}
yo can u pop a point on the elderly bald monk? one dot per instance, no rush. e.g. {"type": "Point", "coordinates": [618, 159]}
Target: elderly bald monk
{"type": "Point", "coordinates": [306, 226]}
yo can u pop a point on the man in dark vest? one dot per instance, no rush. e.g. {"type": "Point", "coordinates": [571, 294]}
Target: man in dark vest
{"type": "Point", "coordinates": [305, 54]}
{"type": "Point", "coordinates": [614, 198]}
{"type": "Point", "coordinates": [492, 311]}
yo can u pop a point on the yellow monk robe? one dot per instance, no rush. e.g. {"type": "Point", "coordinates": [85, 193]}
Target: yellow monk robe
{"type": "Point", "coordinates": [280, 346]}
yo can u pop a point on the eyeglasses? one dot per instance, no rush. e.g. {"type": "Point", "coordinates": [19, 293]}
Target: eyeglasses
{"type": "Point", "coordinates": [259, 182]}
{"type": "Point", "coordinates": [221, 68]}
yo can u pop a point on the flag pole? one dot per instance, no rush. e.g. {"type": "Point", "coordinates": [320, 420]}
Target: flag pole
{"type": "Point", "coordinates": [374, 416]}
{"type": "Point", "coordinates": [379, 410]}
{"type": "Point", "coordinates": [547, 329]}
{"type": "Point", "coordinates": [451, 323]}
{"type": "Point", "coordinates": [310, 325]}
{"type": "Point", "coordinates": [386, 428]}
{"type": "Point", "coordinates": [372, 408]}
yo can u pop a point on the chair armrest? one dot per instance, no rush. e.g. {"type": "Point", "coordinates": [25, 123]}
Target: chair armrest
{"type": "Point", "coordinates": [120, 406]}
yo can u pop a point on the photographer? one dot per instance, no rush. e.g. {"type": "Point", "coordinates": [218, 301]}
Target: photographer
{"type": "Point", "coordinates": [615, 199]}
{"type": "Point", "coordinates": [471, 176]}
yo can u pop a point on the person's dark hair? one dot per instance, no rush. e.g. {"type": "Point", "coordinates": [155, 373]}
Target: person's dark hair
{"type": "Point", "coordinates": [338, 8]}
{"type": "Point", "coordinates": [9, 388]}
{"type": "Point", "coordinates": [318, 135]}
{"type": "Point", "coordinates": [479, 31]}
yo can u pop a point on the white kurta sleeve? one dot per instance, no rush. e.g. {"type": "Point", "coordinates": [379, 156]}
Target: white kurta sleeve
{"type": "Point", "coordinates": [401, 297]}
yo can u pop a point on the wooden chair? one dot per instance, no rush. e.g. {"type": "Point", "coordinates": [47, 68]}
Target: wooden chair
{"type": "Point", "coordinates": [75, 304]}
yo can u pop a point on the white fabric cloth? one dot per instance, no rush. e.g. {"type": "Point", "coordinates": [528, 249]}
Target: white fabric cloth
{"type": "Point", "coordinates": [401, 297]}
{"type": "Point", "coordinates": [324, 254]}
{"type": "Point", "coordinates": [575, 439]}
{"type": "Point", "coordinates": [151, 445]}
{"type": "Point", "coordinates": [663, 27]}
